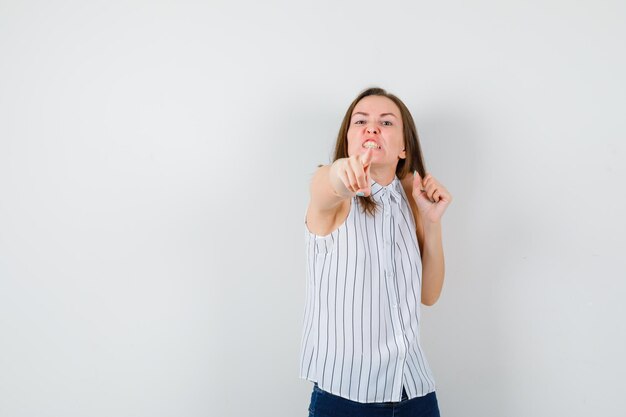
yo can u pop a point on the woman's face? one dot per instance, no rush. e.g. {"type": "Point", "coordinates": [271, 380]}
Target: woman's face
{"type": "Point", "coordinates": [376, 123]}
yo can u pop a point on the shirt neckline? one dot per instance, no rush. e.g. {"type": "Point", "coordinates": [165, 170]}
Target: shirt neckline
{"type": "Point", "coordinates": [379, 190]}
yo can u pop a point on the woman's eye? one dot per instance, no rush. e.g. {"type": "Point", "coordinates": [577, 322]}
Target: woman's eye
{"type": "Point", "coordinates": [387, 123]}
{"type": "Point", "coordinates": [358, 122]}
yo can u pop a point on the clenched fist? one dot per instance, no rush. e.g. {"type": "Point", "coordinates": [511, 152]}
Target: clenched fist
{"type": "Point", "coordinates": [431, 197]}
{"type": "Point", "coordinates": [354, 173]}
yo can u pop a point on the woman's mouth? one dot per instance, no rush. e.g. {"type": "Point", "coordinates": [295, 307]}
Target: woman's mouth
{"type": "Point", "coordinates": [370, 144]}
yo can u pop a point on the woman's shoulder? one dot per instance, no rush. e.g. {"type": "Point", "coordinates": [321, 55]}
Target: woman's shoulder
{"type": "Point", "coordinates": [407, 186]}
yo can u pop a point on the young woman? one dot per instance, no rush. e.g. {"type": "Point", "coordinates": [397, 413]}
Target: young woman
{"type": "Point", "coordinates": [374, 253]}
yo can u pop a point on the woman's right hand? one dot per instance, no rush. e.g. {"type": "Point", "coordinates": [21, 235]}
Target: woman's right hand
{"type": "Point", "coordinates": [351, 176]}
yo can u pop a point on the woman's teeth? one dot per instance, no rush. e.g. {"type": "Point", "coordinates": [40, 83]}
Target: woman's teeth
{"type": "Point", "coordinates": [370, 145]}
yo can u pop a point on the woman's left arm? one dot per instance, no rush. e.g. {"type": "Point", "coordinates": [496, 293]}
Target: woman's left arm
{"type": "Point", "coordinates": [433, 265]}
{"type": "Point", "coordinates": [431, 200]}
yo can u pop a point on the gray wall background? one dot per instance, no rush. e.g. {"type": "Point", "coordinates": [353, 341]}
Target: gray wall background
{"type": "Point", "coordinates": [154, 167]}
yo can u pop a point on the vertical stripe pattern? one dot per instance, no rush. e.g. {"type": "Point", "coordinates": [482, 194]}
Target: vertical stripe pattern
{"type": "Point", "coordinates": [360, 337]}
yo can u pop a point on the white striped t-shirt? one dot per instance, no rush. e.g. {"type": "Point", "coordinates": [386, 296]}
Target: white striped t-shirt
{"type": "Point", "coordinates": [360, 337]}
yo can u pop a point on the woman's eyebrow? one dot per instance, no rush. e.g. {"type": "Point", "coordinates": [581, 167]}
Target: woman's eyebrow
{"type": "Point", "coordinates": [381, 115]}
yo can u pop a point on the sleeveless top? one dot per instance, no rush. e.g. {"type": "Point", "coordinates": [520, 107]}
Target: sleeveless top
{"type": "Point", "coordinates": [361, 337]}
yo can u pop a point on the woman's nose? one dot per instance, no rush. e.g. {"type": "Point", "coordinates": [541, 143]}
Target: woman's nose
{"type": "Point", "coordinates": [372, 129]}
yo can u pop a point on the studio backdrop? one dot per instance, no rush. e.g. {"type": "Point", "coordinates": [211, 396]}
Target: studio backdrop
{"type": "Point", "coordinates": [155, 161]}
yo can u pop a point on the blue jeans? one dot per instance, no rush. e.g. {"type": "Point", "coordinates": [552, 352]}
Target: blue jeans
{"type": "Point", "coordinates": [325, 404]}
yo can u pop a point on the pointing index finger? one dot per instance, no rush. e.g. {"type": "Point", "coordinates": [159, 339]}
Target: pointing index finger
{"type": "Point", "coordinates": [366, 158]}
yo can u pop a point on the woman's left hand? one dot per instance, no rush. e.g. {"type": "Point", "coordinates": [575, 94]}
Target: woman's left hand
{"type": "Point", "coordinates": [431, 197]}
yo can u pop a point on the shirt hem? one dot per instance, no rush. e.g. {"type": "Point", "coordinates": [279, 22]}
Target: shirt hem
{"type": "Point", "coordinates": [367, 402]}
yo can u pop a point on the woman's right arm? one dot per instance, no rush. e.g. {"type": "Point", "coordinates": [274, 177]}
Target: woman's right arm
{"type": "Point", "coordinates": [333, 185]}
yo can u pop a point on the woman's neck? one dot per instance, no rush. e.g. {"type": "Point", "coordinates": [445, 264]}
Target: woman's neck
{"type": "Point", "coordinates": [383, 175]}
